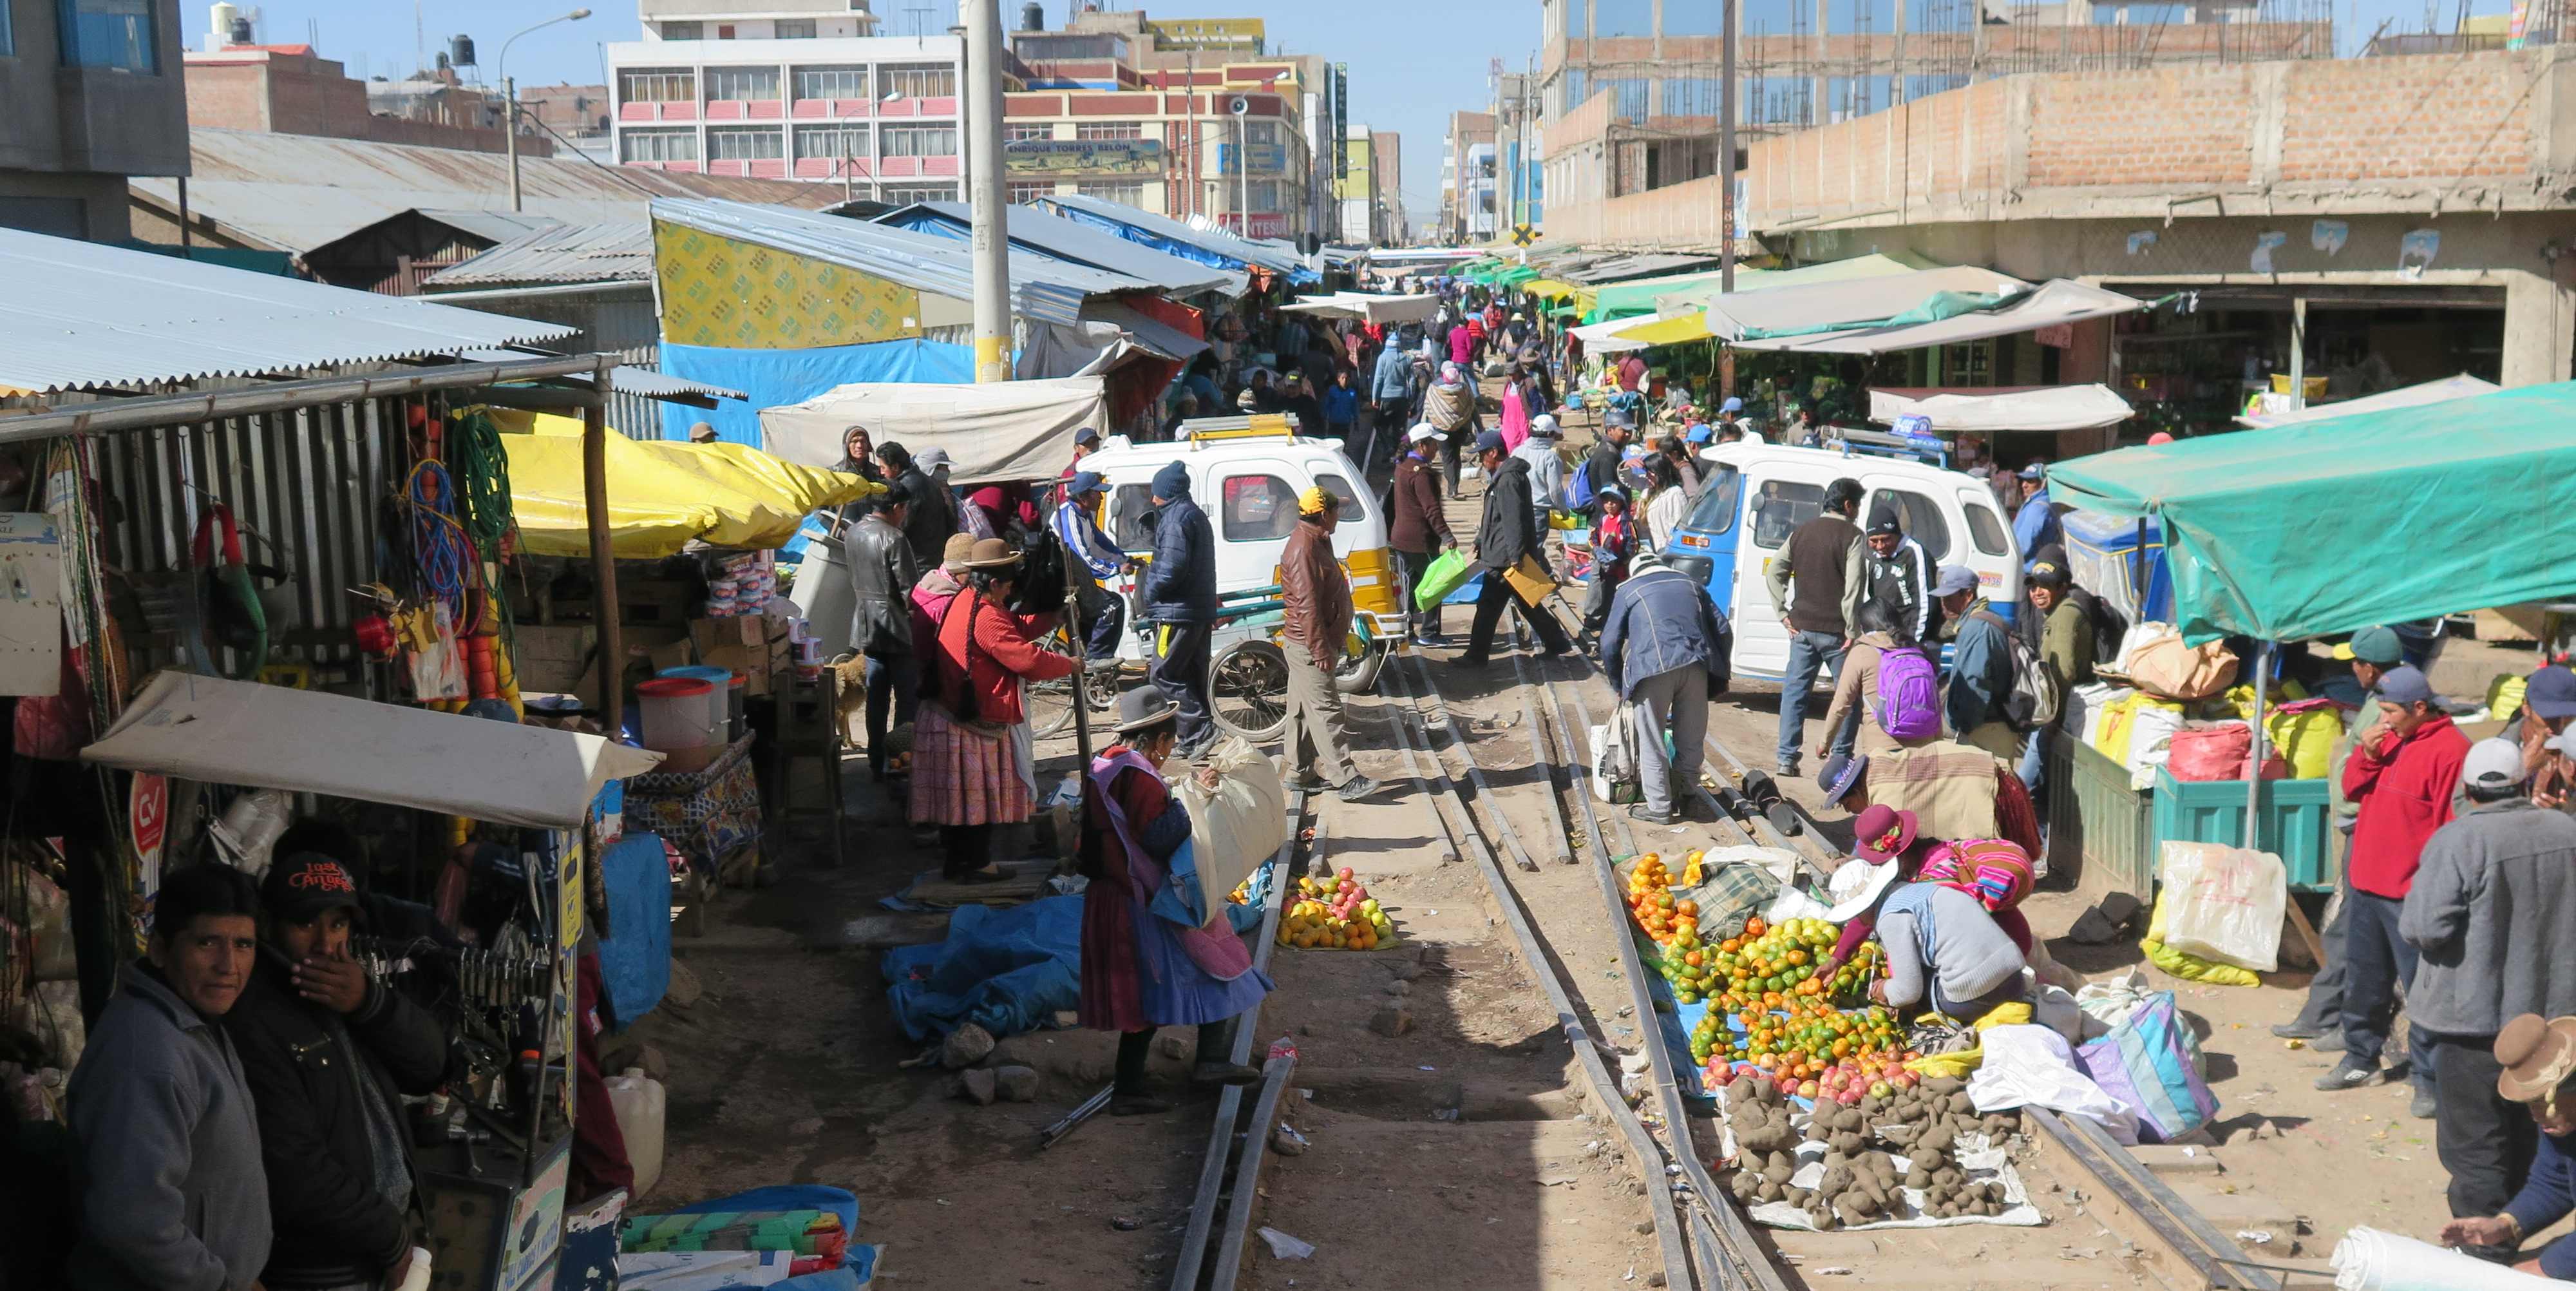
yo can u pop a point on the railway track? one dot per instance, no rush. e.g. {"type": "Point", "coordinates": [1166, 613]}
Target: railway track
{"type": "Point", "coordinates": [1552, 903]}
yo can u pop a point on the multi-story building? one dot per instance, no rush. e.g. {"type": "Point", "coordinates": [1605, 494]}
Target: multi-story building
{"type": "Point", "coordinates": [792, 89]}
{"type": "Point", "coordinates": [1629, 90]}
{"type": "Point", "coordinates": [1387, 160]}
{"type": "Point", "coordinates": [1188, 119]}
{"type": "Point", "coordinates": [90, 93]}
{"type": "Point", "coordinates": [1467, 179]}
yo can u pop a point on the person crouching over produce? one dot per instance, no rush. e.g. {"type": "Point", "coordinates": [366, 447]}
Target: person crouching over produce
{"type": "Point", "coordinates": [2537, 1061]}
{"type": "Point", "coordinates": [1946, 948]}
{"type": "Point", "coordinates": [1150, 957]}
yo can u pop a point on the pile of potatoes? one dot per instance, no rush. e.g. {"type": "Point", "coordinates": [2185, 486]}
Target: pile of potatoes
{"type": "Point", "coordinates": [1861, 1182]}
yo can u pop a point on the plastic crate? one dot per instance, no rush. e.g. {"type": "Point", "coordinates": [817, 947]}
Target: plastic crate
{"type": "Point", "coordinates": [2295, 825]}
{"type": "Point", "coordinates": [2099, 831]}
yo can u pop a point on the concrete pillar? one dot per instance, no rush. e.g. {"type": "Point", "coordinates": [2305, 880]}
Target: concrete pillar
{"type": "Point", "coordinates": [2540, 326]}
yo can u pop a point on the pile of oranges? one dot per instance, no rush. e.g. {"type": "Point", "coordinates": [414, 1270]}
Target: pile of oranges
{"type": "Point", "coordinates": [1669, 921]}
{"type": "Point", "coordinates": [1335, 913]}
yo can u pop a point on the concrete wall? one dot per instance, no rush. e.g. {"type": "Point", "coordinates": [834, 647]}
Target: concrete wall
{"type": "Point", "coordinates": [285, 94]}
{"type": "Point", "coordinates": [89, 120]}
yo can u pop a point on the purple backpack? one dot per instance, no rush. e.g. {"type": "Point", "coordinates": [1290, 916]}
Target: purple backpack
{"type": "Point", "coordinates": [1909, 694]}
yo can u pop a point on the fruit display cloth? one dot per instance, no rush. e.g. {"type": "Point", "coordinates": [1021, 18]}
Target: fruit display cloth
{"type": "Point", "coordinates": [1674, 1021]}
{"type": "Point", "coordinates": [1983, 1161]}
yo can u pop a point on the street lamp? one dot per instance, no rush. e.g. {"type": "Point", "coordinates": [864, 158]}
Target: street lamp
{"type": "Point", "coordinates": [510, 97]}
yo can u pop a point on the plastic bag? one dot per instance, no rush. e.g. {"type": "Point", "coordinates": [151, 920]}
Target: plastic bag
{"type": "Point", "coordinates": [1614, 759]}
{"type": "Point", "coordinates": [2152, 723]}
{"type": "Point", "coordinates": [2190, 968]}
{"type": "Point", "coordinates": [1446, 571]}
{"type": "Point", "coordinates": [2225, 903]}
{"type": "Point", "coordinates": [2151, 1062]}
{"type": "Point", "coordinates": [2211, 751]}
{"type": "Point", "coordinates": [1238, 827]}
{"type": "Point", "coordinates": [2032, 1066]}
{"type": "Point", "coordinates": [2370, 1260]}
{"type": "Point", "coordinates": [2305, 736]}
{"type": "Point", "coordinates": [2168, 669]}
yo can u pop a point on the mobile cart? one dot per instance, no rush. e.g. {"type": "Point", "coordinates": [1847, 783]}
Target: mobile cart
{"type": "Point", "coordinates": [495, 1190]}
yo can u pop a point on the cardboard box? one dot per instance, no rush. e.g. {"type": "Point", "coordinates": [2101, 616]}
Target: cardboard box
{"type": "Point", "coordinates": [556, 659]}
{"type": "Point", "coordinates": [754, 647]}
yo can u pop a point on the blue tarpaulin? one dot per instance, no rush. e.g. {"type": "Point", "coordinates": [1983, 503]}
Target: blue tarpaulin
{"type": "Point", "coordinates": [1007, 971]}
{"type": "Point", "coordinates": [774, 377]}
{"type": "Point", "coordinates": [635, 953]}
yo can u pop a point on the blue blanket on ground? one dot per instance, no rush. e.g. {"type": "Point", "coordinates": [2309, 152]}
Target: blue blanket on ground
{"type": "Point", "coordinates": [1006, 970]}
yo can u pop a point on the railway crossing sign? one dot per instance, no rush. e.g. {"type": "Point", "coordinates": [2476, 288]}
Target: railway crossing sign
{"type": "Point", "coordinates": [1523, 235]}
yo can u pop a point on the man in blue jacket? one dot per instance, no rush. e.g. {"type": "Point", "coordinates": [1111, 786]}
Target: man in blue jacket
{"type": "Point", "coordinates": [1180, 600]}
{"type": "Point", "coordinates": [1665, 649]}
{"type": "Point", "coordinates": [1981, 667]}
{"type": "Point", "coordinates": [2036, 525]}
{"type": "Point", "coordinates": [1391, 395]}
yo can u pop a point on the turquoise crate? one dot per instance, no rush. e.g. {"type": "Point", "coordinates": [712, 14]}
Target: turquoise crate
{"type": "Point", "coordinates": [2295, 824]}
{"type": "Point", "coordinates": [2098, 827]}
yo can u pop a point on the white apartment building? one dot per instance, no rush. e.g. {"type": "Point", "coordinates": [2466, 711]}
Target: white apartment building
{"type": "Point", "coordinates": [794, 89]}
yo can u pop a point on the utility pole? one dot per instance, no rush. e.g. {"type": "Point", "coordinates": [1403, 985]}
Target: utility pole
{"type": "Point", "coordinates": [1726, 178]}
{"type": "Point", "coordinates": [510, 97]}
{"type": "Point", "coordinates": [991, 236]}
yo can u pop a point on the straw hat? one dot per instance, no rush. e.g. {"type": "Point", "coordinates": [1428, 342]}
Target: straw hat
{"type": "Point", "coordinates": [2538, 1056]}
{"type": "Point", "coordinates": [991, 553]}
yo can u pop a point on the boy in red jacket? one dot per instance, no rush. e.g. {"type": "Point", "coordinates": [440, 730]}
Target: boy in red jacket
{"type": "Point", "coordinates": [2404, 780]}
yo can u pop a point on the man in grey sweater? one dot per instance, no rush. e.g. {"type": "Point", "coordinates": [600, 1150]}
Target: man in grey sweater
{"type": "Point", "coordinates": [1946, 952]}
{"type": "Point", "coordinates": [172, 1193]}
{"type": "Point", "coordinates": [2492, 916]}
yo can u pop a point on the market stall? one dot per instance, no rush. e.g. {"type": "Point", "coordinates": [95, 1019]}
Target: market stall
{"type": "Point", "coordinates": [2060, 416]}
{"type": "Point", "coordinates": [2265, 532]}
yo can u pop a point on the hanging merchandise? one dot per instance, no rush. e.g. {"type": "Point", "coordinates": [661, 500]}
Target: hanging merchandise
{"type": "Point", "coordinates": [235, 620]}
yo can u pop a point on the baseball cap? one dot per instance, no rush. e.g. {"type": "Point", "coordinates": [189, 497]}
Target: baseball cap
{"type": "Point", "coordinates": [1490, 442]}
{"type": "Point", "coordinates": [2048, 569]}
{"type": "Point", "coordinates": [931, 459]}
{"type": "Point", "coordinates": [2492, 764]}
{"type": "Point", "coordinates": [1422, 430]}
{"type": "Point", "coordinates": [2035, 471]}
{"type": "Point", "coordinates": [1954, 579]}
{"type": "Point", "coordinates": [1542, 426]}
{"type": "Point", "coordinates": [1086, 435]}
{"type": "Point", "coordinates": [2564, 742]}
{"type": "Point", "coordinates": [1084, 482]}
{"type": "Point", "coordinates": [1619, 417]}
{"type": "Point", "coordinates": [1699, 434]}
{"type": "Point", "coordinates": [1732, 404]}
{"type": "Point", "coordinates": [306, 884]}
{"type": "Point", "coordinates": [2372, 645]}
{"type": "Point", "coordinates": [2551, 692]}
{"type": "Point", "coordinates": [2405, 686]}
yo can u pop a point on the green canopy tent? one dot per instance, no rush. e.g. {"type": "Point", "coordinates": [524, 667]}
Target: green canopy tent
{"type": "Point", "coordinates": [2340, 524]}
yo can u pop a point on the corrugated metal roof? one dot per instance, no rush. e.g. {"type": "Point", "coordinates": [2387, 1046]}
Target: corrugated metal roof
{"type": "Point", "coordinates": [1054, 235]}
{"type": "Point", "coordinates": [611, 251]}
{"type": "Point", "coordinates": [285, 192]}
{"type": "Point", "coordinates": [492, 226]}
{"type": "Point", "coordinates": [1044, 290]}
{"type": "Point", "coordinates": [79, 315]}
{"type": "Point", "coordinates": [624, 378]}
{"type": "Point", "coordinates": [1212, 240]}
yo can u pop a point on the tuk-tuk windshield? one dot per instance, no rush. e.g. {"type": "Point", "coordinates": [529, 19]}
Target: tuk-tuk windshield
{"type": "Point", "coordinates": [1718, 492]}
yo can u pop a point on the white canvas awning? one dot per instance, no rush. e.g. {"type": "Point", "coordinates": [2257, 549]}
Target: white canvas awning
{"type": "Point", "coordinates": [306, 741]}
{"type": "Point", "coordinates": [2078, 407]}
{"type": "Point", "coordinates": [1369, 307]}
{"type": "Point", "coordinates": [2053, 303]}
{"type": "Point", "coordinates": [1604, 338]}
{"type": "Point", "coordinates": [1842, 303]}
{"type": "Point", "coordinates": [2415, 396]}
{"type": "Point", "coordinates": [993, 432]}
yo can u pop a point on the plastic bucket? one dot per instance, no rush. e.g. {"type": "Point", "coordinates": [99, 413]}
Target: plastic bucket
{"type": "Point", "coordinates": [679, 715]}
{"type": "Point", "coordinates": [724, 705]}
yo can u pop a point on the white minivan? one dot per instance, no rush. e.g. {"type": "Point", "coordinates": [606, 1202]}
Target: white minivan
{"type": "Point", "coordinates": [1759, 494]}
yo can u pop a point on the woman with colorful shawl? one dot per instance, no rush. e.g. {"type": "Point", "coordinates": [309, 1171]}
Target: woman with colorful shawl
{"type": "Point", "coordinates": [1152, 954]}
{"type": "Point", "coordinates": [972, 764]}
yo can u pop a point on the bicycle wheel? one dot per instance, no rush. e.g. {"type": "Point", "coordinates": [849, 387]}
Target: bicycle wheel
{"type": "Point", "coordinates": [1248, 691]}
{"type": "Point", "coordinates": [1050, 702]}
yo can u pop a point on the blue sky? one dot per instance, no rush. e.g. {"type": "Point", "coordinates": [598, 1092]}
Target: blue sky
{"type": "Point", "coordinates": [1412, 62]}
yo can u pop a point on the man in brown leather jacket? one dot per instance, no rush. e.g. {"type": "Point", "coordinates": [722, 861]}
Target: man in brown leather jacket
{"type": "Point", "coordinates": [1315, 601]}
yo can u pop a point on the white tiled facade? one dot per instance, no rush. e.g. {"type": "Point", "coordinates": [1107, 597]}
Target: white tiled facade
{"type": "Point", "coordinates": [879, 113]}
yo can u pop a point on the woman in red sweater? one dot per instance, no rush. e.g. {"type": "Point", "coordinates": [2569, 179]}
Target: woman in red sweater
{"type": "Point", "coordinates": [972, 765]}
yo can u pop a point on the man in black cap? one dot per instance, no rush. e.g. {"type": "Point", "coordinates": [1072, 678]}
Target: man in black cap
{"type": "Point", "coordinates": [2548, 701]}
{"type": "Point", "coordinates": [1505, 535]}
{"type": "Point", "coordinates": [2063, 633]}
{"type": "Point", "coordinates": [2371, 652]}
{"type": "Point", "coordinates": [1899, 575]}
{"type": "Point", "coordinates": [329, 1054]}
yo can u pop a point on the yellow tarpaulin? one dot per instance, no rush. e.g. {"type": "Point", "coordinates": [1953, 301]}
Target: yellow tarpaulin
{"type": "Point", "coordinates": [1676, 330]}
{"type": "Point", "coordinates": [661, 493]}
{"type": "Point", "coordinates": [1549, 289]}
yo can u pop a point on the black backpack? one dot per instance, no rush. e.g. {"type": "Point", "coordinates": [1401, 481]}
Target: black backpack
{"type": "Point", "coordinates": [2109, 629]}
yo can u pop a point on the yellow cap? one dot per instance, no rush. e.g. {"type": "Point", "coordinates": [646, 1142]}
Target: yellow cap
{"type": "Point", "coordinates": [1314, 502]}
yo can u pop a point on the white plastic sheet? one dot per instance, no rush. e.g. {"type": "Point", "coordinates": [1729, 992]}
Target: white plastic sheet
{"type": "Point", "coordinates": [2368, 1259]}
{"type": "Point", "coordinates": [2031, 1066]}
{"type": "Point", "coordinates": [2225, 903]}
